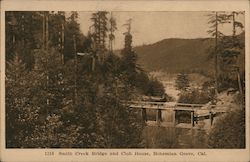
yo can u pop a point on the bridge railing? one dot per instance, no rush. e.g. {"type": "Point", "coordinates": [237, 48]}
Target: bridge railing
{"type": "Point", "coordinates": [166, 104]}
{"type": "Point", "coordinates": [170, 105]}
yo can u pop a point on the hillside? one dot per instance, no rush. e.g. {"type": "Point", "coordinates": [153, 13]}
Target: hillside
{"type": "Point", "coordinates": [175, 55]}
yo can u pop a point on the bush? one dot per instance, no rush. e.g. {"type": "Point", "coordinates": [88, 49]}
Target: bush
{"type": "Point", "coordinates": [148, 86]}
{"type": "Point", "coordinates": [196, 96]}
{"type": "Point", "coordinates": [229, 131]}
{"type": "Point", "coordinates": [155, 88]}
{"type": "Point", "coordinates": [182, 82]}
{"type": "Point", "coordinates": [225, 83]}
{"type": "Point", "coordinates": [119, 126]}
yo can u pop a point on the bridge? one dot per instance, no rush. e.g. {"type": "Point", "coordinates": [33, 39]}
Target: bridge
{"type": "Point", "coordinates": [198, 112]}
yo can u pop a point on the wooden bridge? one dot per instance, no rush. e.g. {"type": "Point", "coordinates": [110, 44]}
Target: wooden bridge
{"type": "Point", "coordinates": [211, 111]}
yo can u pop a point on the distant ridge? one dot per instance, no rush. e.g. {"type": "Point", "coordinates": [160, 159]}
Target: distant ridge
{"type": "Point", "coordinates": [174, 55]}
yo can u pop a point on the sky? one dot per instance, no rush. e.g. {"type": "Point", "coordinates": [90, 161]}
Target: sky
{"type": "Point", "coordinates": [150, 27]}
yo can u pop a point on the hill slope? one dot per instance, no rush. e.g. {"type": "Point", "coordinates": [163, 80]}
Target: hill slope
{"type": "Point", "coordinates": [175, 55]}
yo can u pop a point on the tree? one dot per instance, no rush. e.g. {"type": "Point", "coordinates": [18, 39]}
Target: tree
{"type": "Point", "coordinates": [21, 110]}
{"type": "Point", "coordinates": [231, 47]}
{"type": "Point", "coordinates": [129, 65]}
{"type": "Point", "coordinates": [227, 48]}
{"type": "Point", "coordinates": [120, 126]}
{"type": "Point", "coordinates": [54, 120]}
{"type": "Point", "coordinates": [114, 119]}
{"type": "Point", "coordinates": [20, 38]}
{"type": "Point", "coordinates": [48, 64]}
{"type": "Point", "coordinates": [236, 24]}
{"type": "Point", "coordinates": [155, 88]}
{"type": "Point", "coordinates": [229, 131]}
{"type": "Point", "coordinates": [57, 24]}
{"type": "Point", "coordinates": [196, 96]}
{"type": "Point", "coordinates": [100, 22]}
{"type": "Point", "coordinates": [28, 31]}
{"type": "Point", "coordinates": [215, 20]}
{"type": "Point", "coordinates": [112, 29]}
{"type": "Point", "coordinates": [182, 82]}
{"type": "Point", "coordinates": [72, 33]}
{"type": "Point", "coordinates": [51, 120]}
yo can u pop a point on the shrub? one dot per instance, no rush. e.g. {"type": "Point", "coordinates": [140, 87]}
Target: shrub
{"type": "Point", "coordinates": [182, 82]}
{"type": "Point", "coordinates": [155, 88]}
{"type": "Point", "coordinates": [229, 131]}
{"type": "Point", "coordinates": [195, 96]}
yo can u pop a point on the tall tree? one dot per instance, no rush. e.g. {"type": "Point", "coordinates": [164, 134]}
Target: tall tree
{"type": "Point", "coordinates": [20, 29]}
{"type": "Point", "coordinates": [215, 19]}
{"type": "Point", "coordinates": [57, 31]}
{"type": "Point", "coordinates": [230, 48]}
{"type": "Point", "coordinates": [129, 64]}
{"type": "Point", "coordinates": [72, 27]}
{"type": "Point", "coordinates": [112, 29]}
{"type": "Point", "coordinates": [100, 24]}
{"type": "Point", "coordinates": [27, 31]}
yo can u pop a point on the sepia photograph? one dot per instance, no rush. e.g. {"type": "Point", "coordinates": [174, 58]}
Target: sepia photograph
{"type": "Point", "coordinates": [108, 79]}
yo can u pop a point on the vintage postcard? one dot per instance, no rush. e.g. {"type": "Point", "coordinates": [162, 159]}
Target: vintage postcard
{"type": "Point", "coordinates": [124, 81]}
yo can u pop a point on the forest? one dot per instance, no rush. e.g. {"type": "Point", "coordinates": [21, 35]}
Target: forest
{"type": "Point", "coordinates": [66, 89]}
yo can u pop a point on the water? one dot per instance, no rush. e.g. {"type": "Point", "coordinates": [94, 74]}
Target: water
{"type": "Point", "coordinates": [167, 134]}
{"type": "Point", "coordinates": [172, 137]}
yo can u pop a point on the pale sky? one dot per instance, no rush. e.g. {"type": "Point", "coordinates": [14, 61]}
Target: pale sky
{"type": "Point", "coordinates": [150, 27]}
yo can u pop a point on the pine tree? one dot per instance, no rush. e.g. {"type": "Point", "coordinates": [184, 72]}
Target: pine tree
{"type": "Point", "coordinates": [100, 25]}
{"type": "Point", "coordinates": [112, 29]}
{"type": "Point", "coordinates": [40, 112]}
{"type": "Point", "coordinates": [129, 64]}
{"type": "Point", "coordinates": [21, 109]}
{"type": "Point", "coordinates": [57, 23]}
{"type": "Point", "coordinates": [72, 33]}
{"type": "Point", "coordinates": [229, 49]}
{"type": "Point", "coordinates": [215, 20]}
{"type": "Point", "coordinates": [182, 82]}
{"type": "Point", "coordinates": [20, 29]}
{"type": "Point", "coordinates": [155, 88]}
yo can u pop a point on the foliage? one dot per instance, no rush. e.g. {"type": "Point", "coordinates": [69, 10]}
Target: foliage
{"type": "Point", "coordinates": [57, 23]}
{"type": "Point", "coordinates": [230, 49]}
{"type": "Point", "coordinates": [135, 77]}
{"type": "Point", "coordinates": [154, 137]}
{"type": "Point", "coordinates": [112, 29]}
{"type": "Point", "coordinates": [155, 88]}
{"type": "Point", "coordinates": [229, 131]}
{"type": "Point", "coordinates": [182, 82]}
{"type": "Point", "coordinates": [54, 120]}
{"type": "Point", "coordinates": [27, 29]}
{"type": "Point", "coordinates": [196, 96]}
{"type": "Point", "coordinates": [225, 82]}
{"type": "Point", "coordinates": [149, 86]}
{"type": "Point", "coordinates": [73, 33]}
{"type": "Point", "coordinates": [21, 109]}
{"type": "Point", "coordinates": [227, 49]}
{"type": "Point", "coordinates": [119, 126]}
{"type": "Point", "coordinates": [128, 65]}
{"type": "Point", "coordinates": [99, 34]}
{"type": "Point", "coordinates": [20, 31]}
{"type": "Point", "coordinates": [216, 19]}
{"type": "Point", "coordinates": [54, 99]}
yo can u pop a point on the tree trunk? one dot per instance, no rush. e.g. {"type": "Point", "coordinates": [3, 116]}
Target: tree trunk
{"type": "Point", "coordinates": [216, 55]}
